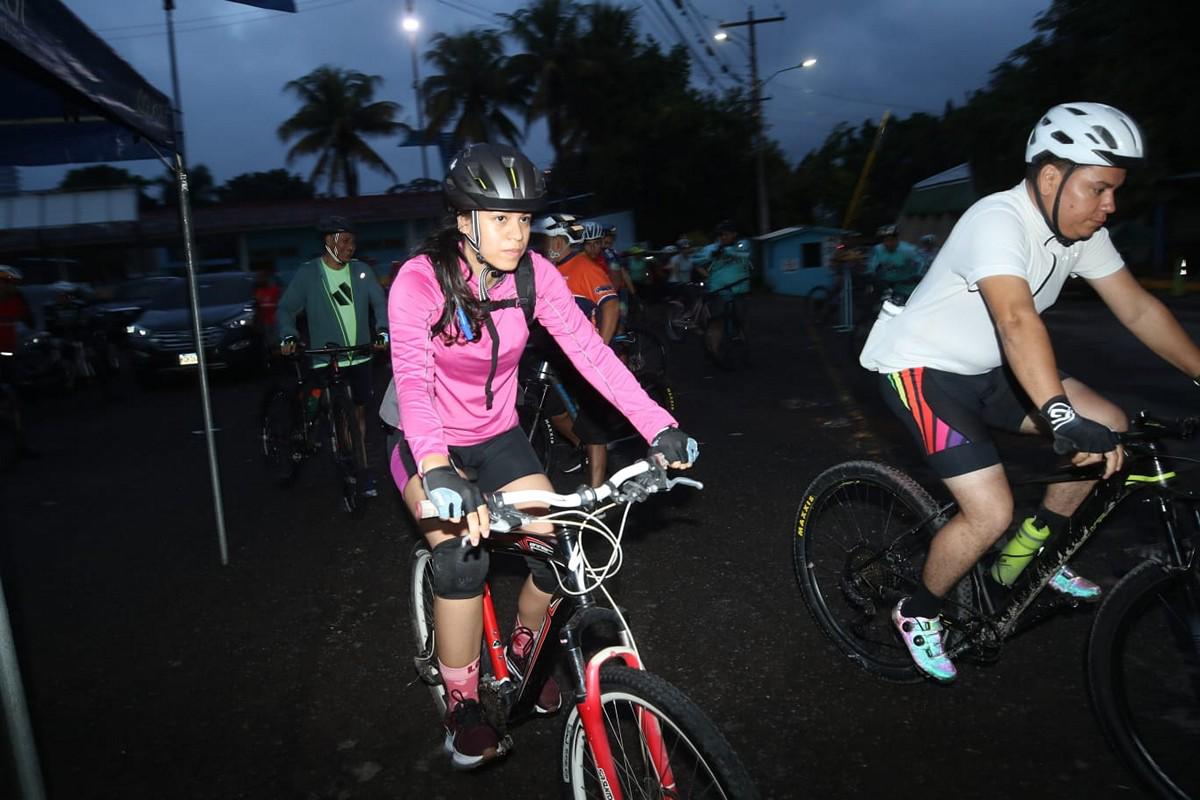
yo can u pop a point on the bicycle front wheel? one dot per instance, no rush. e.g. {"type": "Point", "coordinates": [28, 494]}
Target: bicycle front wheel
{"type": "Point", "coordinates": [861, 536]}
{"type": "Point", "coordinates": [420, 612]}
{"type": "Point", "coordinates": [1143, 666]}
{"type": "Point", "coordinates": [281, 434]}
{"type": "Point", "coordinates": [687, 758]}
{"type": "Point", "coordinates": [346, 440]}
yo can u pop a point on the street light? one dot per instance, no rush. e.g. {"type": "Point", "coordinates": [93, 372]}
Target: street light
{"type": "Point", "coordinates": [751, 23]}
{"type": "Point", "coordinates": [410, 25]}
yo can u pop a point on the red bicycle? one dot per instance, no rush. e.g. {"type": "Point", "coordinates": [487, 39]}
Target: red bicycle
{"type": "Point", "coordinates": [629, 733]}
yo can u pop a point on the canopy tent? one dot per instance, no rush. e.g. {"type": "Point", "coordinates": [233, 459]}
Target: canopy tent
{"type": "Point", "coordinates": [68, 99]}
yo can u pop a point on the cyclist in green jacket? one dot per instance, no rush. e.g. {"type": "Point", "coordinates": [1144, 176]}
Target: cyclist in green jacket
{"type": "Point", "coordinates": [337, 296]}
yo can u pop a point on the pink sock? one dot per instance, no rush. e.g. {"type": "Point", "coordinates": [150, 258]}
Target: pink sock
{"type": "Point", "coordinates": [463, 680]}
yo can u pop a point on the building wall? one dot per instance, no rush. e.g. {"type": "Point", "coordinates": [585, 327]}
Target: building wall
{"type": "Point", "coordinates": [797, 263]}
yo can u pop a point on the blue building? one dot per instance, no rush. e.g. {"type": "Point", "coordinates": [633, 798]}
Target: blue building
{"type": "Point", "coordinates": [797, 260]}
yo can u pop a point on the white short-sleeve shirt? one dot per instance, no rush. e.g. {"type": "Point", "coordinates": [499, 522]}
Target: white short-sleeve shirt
{"type": "Point", "coordinates": [945, 325]}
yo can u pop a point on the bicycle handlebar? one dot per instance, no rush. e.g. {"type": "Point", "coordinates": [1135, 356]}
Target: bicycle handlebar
{"type": "Point", "coordinates": [337, 350]}
{"type": "Point", "coordinates": [632, 484]}
{"type": "Point", "coordinates": [1145, 430]}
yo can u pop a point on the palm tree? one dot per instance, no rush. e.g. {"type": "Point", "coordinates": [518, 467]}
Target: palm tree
{"type": "Point", "coordinates": [548, 32]}
{"type": "Point", "coordinates": [473, 87]}
{"type": "Point", "coordinates": [338, 109]}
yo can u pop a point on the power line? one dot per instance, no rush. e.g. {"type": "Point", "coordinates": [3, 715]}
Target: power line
{"type": "Point", "coordinates": [229, 23]}
{"type": "Point", "coordinates": [478, 14]}
{"type": "Point", "coordinates": [688, 9]}
{"type": "Point", "coordinates": [699, 61]}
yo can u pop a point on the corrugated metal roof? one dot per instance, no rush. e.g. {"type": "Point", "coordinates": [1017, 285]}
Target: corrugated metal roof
{"type": "Point", "coordinates": [953, 175]}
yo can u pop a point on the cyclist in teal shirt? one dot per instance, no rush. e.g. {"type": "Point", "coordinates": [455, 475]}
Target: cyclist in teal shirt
{"type": "Point", "coordinates": [725, 267]}
{"type": "Point", "coordinates": [896, 263]}
{"type": "Point", "coordinates": [337, 294]}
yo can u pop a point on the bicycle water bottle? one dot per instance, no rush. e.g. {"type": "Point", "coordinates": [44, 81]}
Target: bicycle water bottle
{"type": "Point", "coordinates": [1024, 545]}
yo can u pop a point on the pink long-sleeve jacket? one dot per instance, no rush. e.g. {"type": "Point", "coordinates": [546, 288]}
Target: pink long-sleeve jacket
{"type": "Point", "coordinates": [440, 387]}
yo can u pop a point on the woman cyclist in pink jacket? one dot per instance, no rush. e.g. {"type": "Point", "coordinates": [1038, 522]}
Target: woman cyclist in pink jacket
{"type": "Point", "coordinates": [457, 333]}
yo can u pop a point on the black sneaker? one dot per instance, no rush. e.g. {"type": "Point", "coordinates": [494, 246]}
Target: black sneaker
{"type": "Point", "coordinates": [549, 698]}
{"type": "Point", "coordinates": [470, 740]}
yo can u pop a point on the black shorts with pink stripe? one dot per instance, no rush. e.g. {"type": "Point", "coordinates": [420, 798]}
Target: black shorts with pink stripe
{"type": "Point", "coordinates": [950, 415]}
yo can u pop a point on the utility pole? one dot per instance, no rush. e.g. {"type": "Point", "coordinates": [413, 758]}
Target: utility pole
{"type": "Point", "coordinates": [412, 25]}
{"type": "Point", "coordinates": [764, 211]}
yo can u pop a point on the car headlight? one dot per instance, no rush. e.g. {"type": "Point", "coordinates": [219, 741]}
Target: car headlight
{"type": "Point", "coordinates": [240, 321]}
{"type": "Point", "coordinates": [137, 330]}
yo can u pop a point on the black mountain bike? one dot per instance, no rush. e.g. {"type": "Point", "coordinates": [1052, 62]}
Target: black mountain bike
{"type": "Point", "coordinates": [861, 536]}
{"type": "Point", "coordinates": [641, 351]}
{"type": "Point", "coordinates": [627, 732]}
{"type": "Point", "coordinates": [688, 312]}
{"type": "Point", "coordinates": [291, 413]}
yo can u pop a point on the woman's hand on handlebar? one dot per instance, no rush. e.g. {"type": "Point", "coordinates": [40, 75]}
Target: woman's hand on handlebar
{"type": "Point", "coordinates": [678, 449]}
{"type": "Point", "coordinates": [456, 497]}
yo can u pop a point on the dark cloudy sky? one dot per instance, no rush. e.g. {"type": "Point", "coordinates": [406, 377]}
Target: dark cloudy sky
{"type": "Point", "coordinates": [906, 55]}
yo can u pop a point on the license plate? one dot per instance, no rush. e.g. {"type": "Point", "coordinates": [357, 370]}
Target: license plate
{"type": "Point", "coordinates": [188, 360]}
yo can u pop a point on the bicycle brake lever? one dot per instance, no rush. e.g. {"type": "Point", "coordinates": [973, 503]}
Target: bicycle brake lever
{"type": "Point", "coordinates": [673, 482]}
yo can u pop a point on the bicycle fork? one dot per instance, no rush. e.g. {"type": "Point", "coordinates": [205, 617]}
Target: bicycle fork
{"type": "Point", "coordinates": [592, 717]}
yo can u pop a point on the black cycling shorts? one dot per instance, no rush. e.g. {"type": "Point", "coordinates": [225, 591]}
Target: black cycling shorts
{"type": "Point", "coordinates": [497, 462]}
{"type": "Point", "coordinates": [949, 415]}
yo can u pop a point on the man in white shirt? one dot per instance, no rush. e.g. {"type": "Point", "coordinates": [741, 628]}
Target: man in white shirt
{"type": "Point", "coordinates": [970, 352]}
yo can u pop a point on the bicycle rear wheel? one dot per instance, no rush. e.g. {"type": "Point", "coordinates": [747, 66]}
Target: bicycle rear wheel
{"type": "Point", "coordinates": [281, 434]}
{"type": "Point", "coordinates": [420, 613]}
{"type": "Point", "coordinates": [701, 761]}
{"type": "Point", "coordinates": [646, 355]}
{"type": "Point", "coordinates": [861, 536]}
{"type": "Point", "coordinates": [346, 440]}
{"type": "Point", "coordinates": [677, 326]}
{"type": "Point", "coordinates": [1143, 666]}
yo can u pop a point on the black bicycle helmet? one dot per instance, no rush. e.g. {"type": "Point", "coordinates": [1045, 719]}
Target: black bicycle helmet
{"type": "Point", "coordinates": [328, 225]}
{"type": "Point", "coordinates": [493, 177]}
{"type": "Point", "coordinates": [726, 226]}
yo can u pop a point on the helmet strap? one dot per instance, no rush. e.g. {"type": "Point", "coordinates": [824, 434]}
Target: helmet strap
{"type": "Point", "coordinates": [1052, 218]}
{"type": "Point", "coordinates": [333, 255]}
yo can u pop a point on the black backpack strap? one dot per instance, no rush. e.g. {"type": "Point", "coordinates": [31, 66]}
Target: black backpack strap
{"type": "Point", "coordinates": [526, 287]}
{"type": "Point", "coordinates": [526, 298]}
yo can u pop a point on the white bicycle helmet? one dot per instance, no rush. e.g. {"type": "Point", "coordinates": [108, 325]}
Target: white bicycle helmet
{"type": "Point", "coordinates": [592, 230]}
{"type": "Point", "coordinates": [1091, 134]}
{"type": "Point", "coordinates": [560, 225]}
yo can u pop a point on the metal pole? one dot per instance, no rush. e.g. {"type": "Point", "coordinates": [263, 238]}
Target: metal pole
{"type": "Point", "coordinates": [420, 111]}
{"type": "Point", "coordinates": [16, 714]}
{"type": "Point", "coordinates": [764, 212]}
{"type": "Point", "coordinates": [189, 248]}
{"type": "Point", "coordinates": [412, 41]}
{"type": "Point", "coordinates": [177, 112]}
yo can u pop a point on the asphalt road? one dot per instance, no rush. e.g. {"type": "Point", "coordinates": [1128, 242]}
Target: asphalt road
{"type": "Point", "coordinates": [154, 672]}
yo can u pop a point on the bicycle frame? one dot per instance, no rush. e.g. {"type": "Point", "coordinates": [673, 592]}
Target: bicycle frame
{"type": "Point", "coordinates": [1146, 472]}
{"type": "Point", "coordinates": [562, 638]}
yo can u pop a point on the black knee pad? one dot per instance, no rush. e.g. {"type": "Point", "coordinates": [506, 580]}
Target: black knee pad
{"type": "Point", "coordinates": [458, 572]}
{"type": "Point", "coordinates": [543, 574]}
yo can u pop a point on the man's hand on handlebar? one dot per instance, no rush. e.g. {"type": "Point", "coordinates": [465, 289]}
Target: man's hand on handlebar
{"type": "Point", "coordinates": [287, 345]}
{"type": "Point", "coordinates": [1090, 441]}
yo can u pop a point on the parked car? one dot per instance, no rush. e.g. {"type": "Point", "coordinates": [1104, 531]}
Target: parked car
{"type": "Point", "coordinates": [162, 338]}
{"type": "Point", "coordinates": [119, 306]}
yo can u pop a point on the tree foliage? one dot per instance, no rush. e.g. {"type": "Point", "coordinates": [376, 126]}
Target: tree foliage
{"type": "Point", "coordinates": [338, 109]}
{"type": "Point", "coordinates": [472, 88]}
{"type": "Point", "coordinates": [272, 186]}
